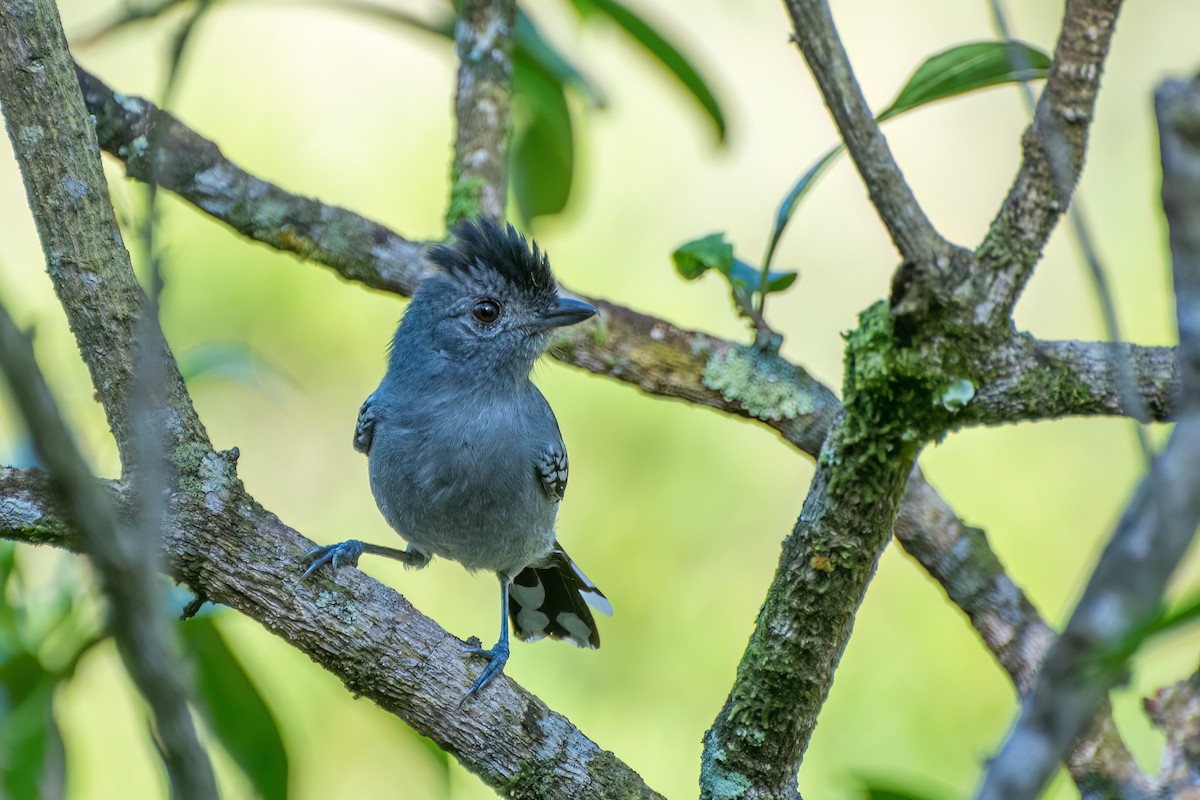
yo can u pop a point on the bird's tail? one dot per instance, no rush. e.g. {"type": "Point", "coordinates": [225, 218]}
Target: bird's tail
{"type": "Point", "coordinates": [552, 600]}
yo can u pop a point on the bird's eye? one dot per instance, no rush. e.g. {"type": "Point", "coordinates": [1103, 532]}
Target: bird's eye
{"type": "Point", "coordinates": [486, 311]}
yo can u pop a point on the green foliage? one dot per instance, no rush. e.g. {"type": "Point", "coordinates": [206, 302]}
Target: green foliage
{"type": "Point", "coordinates": [235, 711]}
{"type": "Point", "coordinates": [959, 70]}
{"type": "Point", "coordinates": [748, 285]}
{"type": "Point", "coordinates": [40, 648]}
{"type": "Point", "coordinates": [667, 54]}
{"type": "Point", "coordinates": [968, 68]}
{"type": "Point", "coordinates": [542, 149]}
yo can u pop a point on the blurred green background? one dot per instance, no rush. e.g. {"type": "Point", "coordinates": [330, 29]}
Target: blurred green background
{"type": "Point", "coordinates": [676, 512]}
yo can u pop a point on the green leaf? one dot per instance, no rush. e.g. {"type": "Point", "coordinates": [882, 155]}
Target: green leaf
{"type": "Point", "coordinates": [542, 151]}
{"type": "Point", "coordinates": [778, 281]}
{"type": "Point", "coordinates": [888, 789]}
{"type": "Point", "coordinates": [663, 51]}
{"type": "Point", "coordinates": [529, 42]}
{"type": "Point", "coordinates": [792, 199]}
{"type": "Point", "coordinates": [699, 255]}
{"type": "Point", "coordinates": [956, 71]}
{"type": "Point", "coordinates": [1185, 613]}
{"type": "Point", "coordinates": [235, 711]}
{"type": "Point", "coordinates": [967, 68]}
{"type": "Point", "coordinates": [31, 748]}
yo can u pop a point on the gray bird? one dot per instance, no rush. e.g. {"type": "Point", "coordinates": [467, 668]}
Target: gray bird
{"type": "Point", "coordinates": [465, 456]}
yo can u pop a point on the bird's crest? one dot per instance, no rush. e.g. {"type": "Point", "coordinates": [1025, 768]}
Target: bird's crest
{"type": "Point", "coordinates": [482, 246]}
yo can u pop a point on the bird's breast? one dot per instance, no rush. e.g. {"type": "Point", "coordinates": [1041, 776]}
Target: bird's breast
{"type": "Point", "coordinates": [462, 484]}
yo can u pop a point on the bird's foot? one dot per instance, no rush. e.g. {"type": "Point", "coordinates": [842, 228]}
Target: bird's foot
{"type": "Point", "coordinates": [336, 554]}
{"type": "Point", "coordinates": [497, 658]}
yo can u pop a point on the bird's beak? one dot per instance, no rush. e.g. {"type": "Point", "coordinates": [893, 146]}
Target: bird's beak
{"type": "Point", "coordinates": [567, 312]}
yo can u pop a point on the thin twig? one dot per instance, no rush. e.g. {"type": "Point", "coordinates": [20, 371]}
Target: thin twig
{"type": "Point", "coordinates": [364, 633]}
{"type": "Point", "coordinates": [911, 231]}
{"type": "Point", "coordinates": [125, 567]}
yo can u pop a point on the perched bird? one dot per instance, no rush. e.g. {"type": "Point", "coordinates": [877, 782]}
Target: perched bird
{"type": "Point", "coordinates": [465, 456]}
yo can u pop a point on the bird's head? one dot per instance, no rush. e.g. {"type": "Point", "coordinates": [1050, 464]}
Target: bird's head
{"type": "Point", "coordinates": [494, 303]}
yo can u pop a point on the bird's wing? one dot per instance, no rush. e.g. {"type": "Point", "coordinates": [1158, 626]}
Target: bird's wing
{"type": "Point", "coordinates": [364, 429]}
{"type": "Point", "coordinates": [552, 468]}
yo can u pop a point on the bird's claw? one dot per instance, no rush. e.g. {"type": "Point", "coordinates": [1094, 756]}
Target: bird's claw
{"type": "Point", "coordinates": [497, 658]}
{"type": "Point", "coordinates": [336, 554]}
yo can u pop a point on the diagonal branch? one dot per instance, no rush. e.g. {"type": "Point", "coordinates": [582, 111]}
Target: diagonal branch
{"type": "Point", "coordinates": [957, 557]}
{"type": "Point", "coordinates": [1054, 147]}
{"type": "Point", "coordinates": [911, 231]}
{"type": "Point", "coordinates": [60, 164]}
{"type": "Point", "coordinates": [138, 620]}
{"type": "Point", "coordinates": [242, 556]}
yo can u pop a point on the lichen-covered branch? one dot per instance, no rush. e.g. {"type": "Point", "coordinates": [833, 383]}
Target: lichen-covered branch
{"type": "Point", "coordinates": [760, 735]}
{"type": "Point", "coordinates": [957, 557]}
{"type": "Point", "coordinates": [911, 231]}
{"type": "Point", "coordinates": [1126, 589]}
{"type": "Point", "coordinates": [620, 343]}
{"type": "Point", "coordinates": [242, 556]}
{"type": "Point", "coordinates": [1053, 147]}
{"type": "Point", "coordinates": [1175, 710]}
{"type": "Point", "coordinates": [483, 41]}
{"type": "Point", "coordinates": [195, 169]}
{"type": "Point", "coordinates": [1033, 380]}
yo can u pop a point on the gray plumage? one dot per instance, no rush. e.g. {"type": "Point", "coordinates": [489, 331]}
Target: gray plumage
{"type": "Point", "coordinates": [466, 460]}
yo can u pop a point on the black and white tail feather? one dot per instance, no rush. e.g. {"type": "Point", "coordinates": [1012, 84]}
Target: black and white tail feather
{"type": "Point", "coordinates": [552, 600]}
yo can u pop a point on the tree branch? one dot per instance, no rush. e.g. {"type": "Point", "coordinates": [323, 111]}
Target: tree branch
{"type": "Point", "coordinates": [759, 737]}
{"type": "Point", "coordinates": [217, 538]}
{"type": "Point", "coordinates": [483, 41]}
{"type": "Point", "coordinates": [957, 557]}
{"type": "Point", "coordinates": [1036, 380]}
{"type": "Point", "coordinates": [1127, 586]}
{"type": "Point", "coordinates": [1054, 147]}
{"type": "Point", "coordinates": [60, 163]}
{"type": "Point", "coordinates": [220, 540]}
{"type": "Point", "coordinates": [1175, 710]}
{"type": "Point", "coordinates": [648, 352]}
{"type": "Point", "coordinates": [911, 231]}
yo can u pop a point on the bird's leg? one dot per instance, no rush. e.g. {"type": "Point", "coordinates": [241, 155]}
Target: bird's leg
{"type": "Point", "coordinates": [498, 655]}
{"type": "Point", "coordinates": [348, 552]}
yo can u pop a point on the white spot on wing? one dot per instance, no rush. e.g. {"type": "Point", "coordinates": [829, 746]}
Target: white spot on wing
{"type": "Point", "coordinates": [532, 623]}
{"type": "Point", "coordinates": [530, 597]}
{"type": "Point", "coordinates": [577, 628]}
